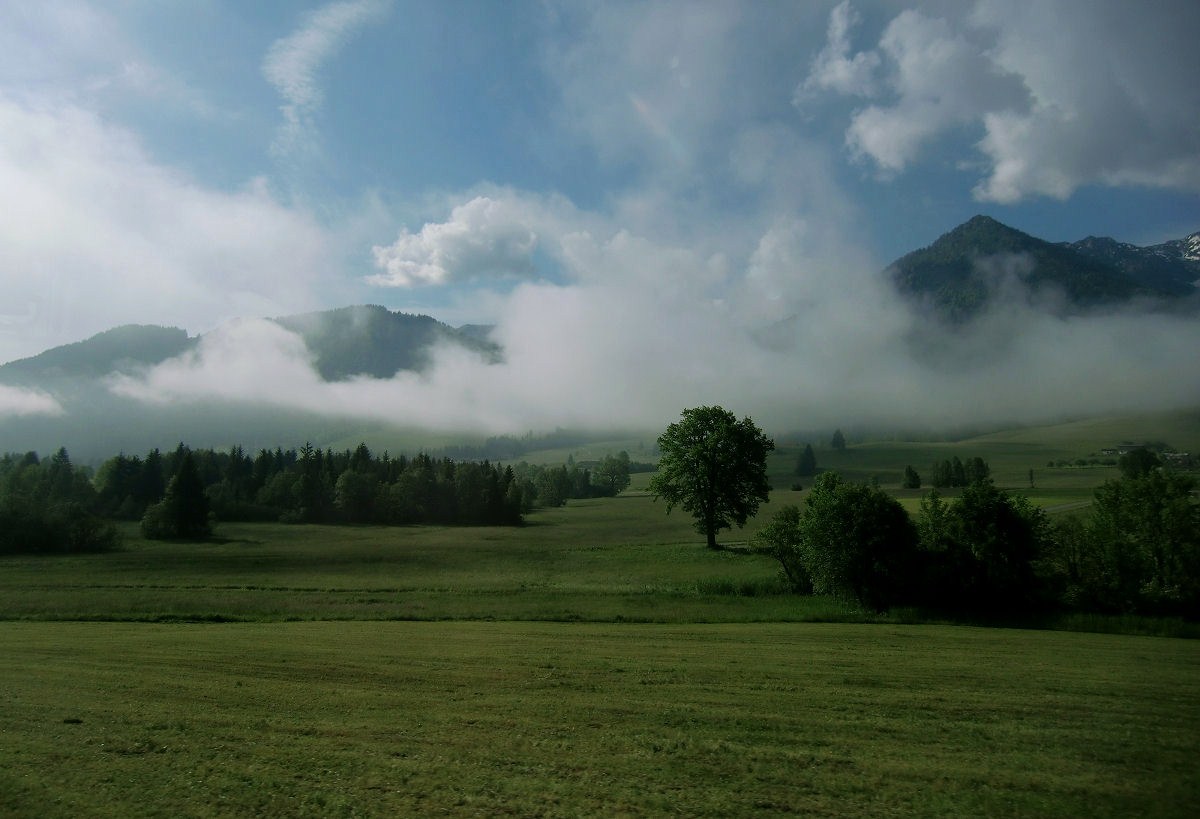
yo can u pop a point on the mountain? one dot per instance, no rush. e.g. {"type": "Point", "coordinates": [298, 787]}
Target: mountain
{"type": "Point", "coordinates": [1172, 267]}
{"type": "Point", "coordinates": [121, 349]}
{"type": "Point", "coordinates": [372, 340]}
{"type": "Point", "coordinates": [479, 332]}
{"type": "Point", "coordinates": [96, 423]}
{"type": "Point", "coordinates": [361, 340]}
{"type": "Point", "coordinates": [957, 276]}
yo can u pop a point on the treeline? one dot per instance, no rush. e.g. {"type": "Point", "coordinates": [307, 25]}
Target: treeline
{"type": "Point", "coordinates": [946, 474]}
{"type": "Point", "coordinates": [49, 506]}
{"type": "Point", "coordinates": [352, 486]}
{"type": "Point", "coordinates": [52, 506]}
{"type": "Point", "coordinates": [950, 473]}
{"type": "Point", "coordinates": [954, 472]}
{"type": "Point", "coordinates": [555, 485]}
{"type": "Point", "coordinates": [314, 486]}
{"type": "Point", "coordinates": [989, 552]}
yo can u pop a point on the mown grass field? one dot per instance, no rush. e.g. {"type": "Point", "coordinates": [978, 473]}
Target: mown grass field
{"type": "Point", "coordinates": [537, 719]}
{"type": "Point", "coordinates": [598, 661]}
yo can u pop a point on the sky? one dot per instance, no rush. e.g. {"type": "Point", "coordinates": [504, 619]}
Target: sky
{"type": "Point", "coordinates": [657, 204]}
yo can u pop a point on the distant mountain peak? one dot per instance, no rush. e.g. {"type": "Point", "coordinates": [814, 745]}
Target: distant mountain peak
{"type": "Point", "coordinates": [950, 278]}
{"type": "Point", "coordinates": [983, 220]}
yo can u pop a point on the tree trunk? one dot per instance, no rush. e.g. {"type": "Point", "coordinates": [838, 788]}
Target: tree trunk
{"type": "Point", "coordinates": [712, 538]}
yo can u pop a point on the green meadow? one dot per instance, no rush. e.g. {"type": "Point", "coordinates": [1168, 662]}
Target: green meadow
{"type": "Point", "coordinates": [537, 719]}
{"type": "Point", "coordinates": [597, 661]}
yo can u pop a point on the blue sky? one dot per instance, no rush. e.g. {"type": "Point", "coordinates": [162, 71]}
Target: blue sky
{"type": "Point", "coordinates": [191, 162]}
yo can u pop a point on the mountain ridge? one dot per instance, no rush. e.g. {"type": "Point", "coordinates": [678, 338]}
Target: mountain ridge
{"type": "Point", "coordinates": [120, 349]}
{"type": "Point", "coordinates": [346, 341]}
{"type": "Point", "coordinates": [361, 340]}
{"type": "Point", "coordinates": [956, 277]}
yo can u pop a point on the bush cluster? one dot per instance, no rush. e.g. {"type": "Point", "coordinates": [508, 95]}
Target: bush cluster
{"type": "Point", "coordinates": [989, 551]}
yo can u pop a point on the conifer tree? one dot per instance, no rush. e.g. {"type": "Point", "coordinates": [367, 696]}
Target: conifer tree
{"type": "Point", "coordinates": [183, 511]}
{"type": "Point", "coordinates": [806, 466]}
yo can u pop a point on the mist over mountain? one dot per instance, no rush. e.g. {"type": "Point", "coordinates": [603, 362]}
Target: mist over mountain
{"type": "Point", "coordinates": [359, 340]}
{"type": "Point", "coordinates": [374, 341]}
{"type": "Point", "coordinates": [957, 276]}
{"type": "Point", "coordinates": [1026, 330]}
{"type": "Point", "coordinates": [70, 395]}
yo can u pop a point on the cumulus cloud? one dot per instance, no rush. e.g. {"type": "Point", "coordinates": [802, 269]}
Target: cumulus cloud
{"type": "Point", "coordinates": [939, 79]}
{"type": "Point", "coordinates": [1113, 97]}
{"type": "Point", "coordinates": [1063, 94]}
{"type": "Point", "coordinates": [834, 69]}
{"type": "Point", "coordinates": [96, 233]}
{"type": "Point", "coordinates": [293, 64]}
{"type": "Point", "coordinates": [483, 238]}
{"type": "Point", "coordinates": [16, 401]}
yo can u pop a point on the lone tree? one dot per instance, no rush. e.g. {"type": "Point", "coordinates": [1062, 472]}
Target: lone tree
{"type": "Point", "coordinates": [838, 442]}
{"type": "Point", "coordinates": [713, 466]}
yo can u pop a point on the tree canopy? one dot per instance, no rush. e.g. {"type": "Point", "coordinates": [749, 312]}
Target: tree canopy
{"type": "Point", "coordinates": [714, 467]}
{"type": "Point", "coordinates": [857, 541]}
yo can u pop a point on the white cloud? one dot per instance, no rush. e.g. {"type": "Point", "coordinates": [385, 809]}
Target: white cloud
{"type": "Point", "coordinates": [940, 80]}
{"type": "Point", "coordinates": [483, 238]}
{"type": "Point", "coordinates": [15, 401]}
{"type": "Point", "coordinates": [1063, 94]}
{"type": "Point", "coordinates": [245, 360]}
{"type": "Point", "coordinates": [293, 63]}
{"type": "Point", "coordinates": [834, 69]}
{"type": "Point", "coordinates": [1114, 98]}
{"type": "Point", "coordinates": [96, 234]}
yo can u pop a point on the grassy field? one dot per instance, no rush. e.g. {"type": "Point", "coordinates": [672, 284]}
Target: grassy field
{"type": "Point", "coordinates": [600, 560]}
{"type": "Point", "coordinates": [598, 661]}
{"type": "Point", "coordinates": [355, 719]}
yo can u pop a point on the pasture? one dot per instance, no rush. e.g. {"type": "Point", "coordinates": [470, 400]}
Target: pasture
{"type": "Point", "coordinates": [597, 661]}
{"type": "Point", "coordinates": [599, 560]}
{"type": "Point", "coordinates": [538, 719]}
